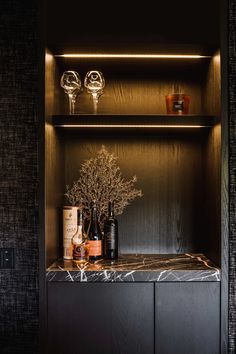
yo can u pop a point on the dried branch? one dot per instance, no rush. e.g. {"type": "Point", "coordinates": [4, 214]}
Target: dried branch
{"type": "Point", "coordinates": [101, 181]}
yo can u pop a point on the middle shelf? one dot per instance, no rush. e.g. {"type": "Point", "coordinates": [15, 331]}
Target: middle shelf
{"type": "Point", "coordinates": [133, 121]}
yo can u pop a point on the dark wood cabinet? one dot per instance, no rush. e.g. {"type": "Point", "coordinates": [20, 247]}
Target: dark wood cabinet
{"type": "Point", "coordinates": [100, 318]}
{"type": "Point", "coordinates": [162, 318]}
{"type": "Point", "coordinates": [187, 318]}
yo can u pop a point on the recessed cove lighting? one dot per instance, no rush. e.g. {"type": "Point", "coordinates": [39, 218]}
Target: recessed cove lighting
{"type": "Point", "coordinates": [138, 56]}
{"type": "Point", "coordinates": [127, 126]}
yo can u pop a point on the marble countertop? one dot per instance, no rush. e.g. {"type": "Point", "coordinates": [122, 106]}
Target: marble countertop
{"type": "Point", "coordinates": [137, 268]}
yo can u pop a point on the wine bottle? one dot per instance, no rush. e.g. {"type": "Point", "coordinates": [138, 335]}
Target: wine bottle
{"type": "Point", "coordinates": [94, 235]}
{"type": "Point", "coordinates": [111, 234]}
{"type": "Point", "coordinates": [80, 247]}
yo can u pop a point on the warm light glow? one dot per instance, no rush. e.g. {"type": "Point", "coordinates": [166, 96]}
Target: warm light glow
{"type": "Point", "coordinates": [128, 126]}
{"type": "Point", "coordinates": [138, 56]}
{"type": "Point", "coordinates": [48, 58]}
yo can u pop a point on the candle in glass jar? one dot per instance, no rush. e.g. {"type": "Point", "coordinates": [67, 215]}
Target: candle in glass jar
{"type": "Point", "coordinates": [177, 103]}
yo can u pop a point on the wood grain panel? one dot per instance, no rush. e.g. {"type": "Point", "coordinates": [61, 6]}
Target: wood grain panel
{"type": "Point", "coordinates": [168, 218]}
{"type": "Point", "coordinates": [79, 318]}
{"type": "Point", "coordinates": [101, 318]}
{"type": "Point", "coordinates": [145, 97]}
{"type": "Point", "coordinates": [187, 318]}
{"type": "Point", "coordinates": [132, 318]}
{"type": "Point", "coordinates": [212, 197]}
{"type": "Point", "coordinates": [229, 240]}
{"type": "Point", "coordinates": [212, 89]}
{"type": "Point", "coordinates": [137, 87]}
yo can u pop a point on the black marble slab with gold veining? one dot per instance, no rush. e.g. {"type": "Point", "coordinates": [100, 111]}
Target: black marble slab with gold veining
{"type": "Point", "coordinates": [137, 268]}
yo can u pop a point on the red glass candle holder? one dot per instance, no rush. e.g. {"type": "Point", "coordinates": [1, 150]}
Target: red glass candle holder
{"type": "Point", "coordinates": [177, 103]}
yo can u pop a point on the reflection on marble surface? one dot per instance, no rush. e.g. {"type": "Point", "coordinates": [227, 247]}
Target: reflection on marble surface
{"type": "Point", "coordinates": [141, 267]}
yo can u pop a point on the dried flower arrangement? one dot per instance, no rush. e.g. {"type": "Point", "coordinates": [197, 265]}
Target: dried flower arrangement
{"type": "Point", "coordinates": [101, 181]}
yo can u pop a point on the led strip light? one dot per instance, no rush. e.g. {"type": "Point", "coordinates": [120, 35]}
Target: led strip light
{"type": "Point", "coordinates": [127, 126]}
{"type": "Point", "coordinates": [138, 56]}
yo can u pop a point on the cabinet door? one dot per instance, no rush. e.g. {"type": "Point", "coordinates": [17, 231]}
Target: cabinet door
{"type": "Point", "coordinates": [100, 318]}
{"type": "Point", "coordinates": [187, 318]}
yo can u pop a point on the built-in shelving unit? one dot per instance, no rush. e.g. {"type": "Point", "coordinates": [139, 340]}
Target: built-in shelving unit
{"type": "Point", "coordinates": [177, 158]}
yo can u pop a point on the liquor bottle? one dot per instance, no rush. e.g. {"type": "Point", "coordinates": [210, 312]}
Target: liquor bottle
{"type": "Point", "coordinates": [79, 242]}
{"type": "Point", "coordinates": [111, 234]}
{"type": "Point", "coordinates": [94, 235]}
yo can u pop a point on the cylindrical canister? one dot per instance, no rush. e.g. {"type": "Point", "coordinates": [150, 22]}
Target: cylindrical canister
{"type": "Point", "coordinates": [69, 229]}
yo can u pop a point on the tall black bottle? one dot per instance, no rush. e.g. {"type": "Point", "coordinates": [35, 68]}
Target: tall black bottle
{"type": "Point", "coordinates": [94, 235]}
{"type": "Point", "coordinates": [111, 234]}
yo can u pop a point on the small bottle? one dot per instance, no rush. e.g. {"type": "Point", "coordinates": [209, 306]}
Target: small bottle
{"type": "Point", "coordinates": [111, 234]}
{"type": "Point", "coordinates": [94, 235]}
{"type": "Point", "coordinates": [80, 247]}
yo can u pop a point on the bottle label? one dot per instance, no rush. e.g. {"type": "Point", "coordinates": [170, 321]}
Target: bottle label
{"type": "Point", "coordinates": [178, 106]}
{"type": "Point", "coordinates": [78, 236]}
{"type": "Point", "coordinates": [80, 252]}
{"type": "Point", "coordinates": [110, 240]}
{"type": "Point", "coordinates": [95, 247]}
{"type": "Point", "coordinates": [110, 236]}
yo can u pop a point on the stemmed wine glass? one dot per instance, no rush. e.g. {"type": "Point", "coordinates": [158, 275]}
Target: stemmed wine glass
{"type": "Point", "coordinates": [95, 83]}
{"type": "Point", "coordinates": [71, 83]}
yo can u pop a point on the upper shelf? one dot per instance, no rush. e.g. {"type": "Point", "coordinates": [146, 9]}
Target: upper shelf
{"type": "Point", "coordinates": [132, 121]}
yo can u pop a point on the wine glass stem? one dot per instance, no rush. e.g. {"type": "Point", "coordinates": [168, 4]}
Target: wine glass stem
{"type": "Point", "coordinates": [95, 103]}
{"type": "Point", "coordinates": [71, 104]}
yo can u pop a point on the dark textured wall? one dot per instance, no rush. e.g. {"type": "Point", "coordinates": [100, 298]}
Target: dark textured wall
{"type": "Point", "coordinates": [19, 175]}
{"type": "Point", "coordinates": [232, 174]}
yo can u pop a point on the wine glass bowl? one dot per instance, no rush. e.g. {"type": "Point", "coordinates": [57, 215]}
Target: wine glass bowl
{"type": "Point", "coordinates": [94, 83]}
{"type": "Point", "coordinates": [71, 83]}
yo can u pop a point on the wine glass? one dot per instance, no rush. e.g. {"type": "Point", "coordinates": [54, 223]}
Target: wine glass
{"type": "Point", "coordinates": [71, 83]}
{"type": "Point", "coordinates": [95, 83]}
